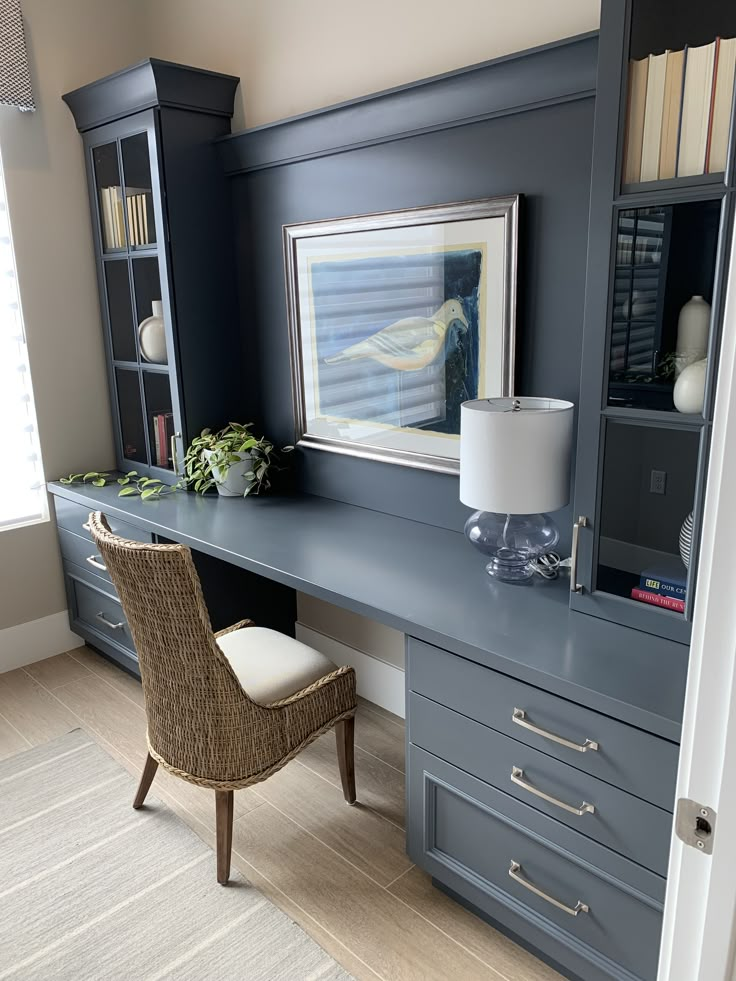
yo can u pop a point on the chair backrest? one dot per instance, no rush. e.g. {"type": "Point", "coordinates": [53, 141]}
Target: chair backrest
{"type": "Point", "coordinates": [194, 701]}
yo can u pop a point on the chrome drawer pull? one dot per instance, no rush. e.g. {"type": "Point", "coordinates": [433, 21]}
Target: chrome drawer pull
{"type": "Point", "coordinates": [108, 623]}
{"type": "Point", "coordinates": [515, 869]}
{"type": "Point", "coordinates": [519, 717]}
{"type": "Point", "coordinates": [93, 560]}
{"type": "Point", "coordinates": [517, 777]}
{"type": "Point", "coordinates": [86, 526]}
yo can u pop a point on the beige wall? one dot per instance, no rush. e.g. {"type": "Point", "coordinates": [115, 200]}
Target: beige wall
{"type": "Point", "coordinates": [296, 55]}
{"type": "Point", "coordinates": [70, 43]}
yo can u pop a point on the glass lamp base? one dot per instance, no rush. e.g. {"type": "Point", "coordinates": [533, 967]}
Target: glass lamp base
{"type": "Point", "coordinates": [512, 542]}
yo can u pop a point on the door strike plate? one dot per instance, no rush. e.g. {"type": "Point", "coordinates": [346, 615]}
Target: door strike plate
{"type": "Point", "coordinates": [695, 824]}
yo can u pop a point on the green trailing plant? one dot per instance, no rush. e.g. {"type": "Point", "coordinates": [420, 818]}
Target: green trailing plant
{"type": "Point", "coordinates": [130, 483]}
{"type": "Point", "coordinates": [210, 452]}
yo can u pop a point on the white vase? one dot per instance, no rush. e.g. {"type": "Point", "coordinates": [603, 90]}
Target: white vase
{"type": "Point", "coordinates": [689, 392]}
{"type": "Point", "coordinates": [152, 335]}
{"type": "Point", "coordinates": [692, 333]}
{"type": "Point", "coordinates": [235, 481]}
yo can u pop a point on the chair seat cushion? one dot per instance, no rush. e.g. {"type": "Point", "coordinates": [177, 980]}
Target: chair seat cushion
{"type": "Point", "coordinates": [271, 666]}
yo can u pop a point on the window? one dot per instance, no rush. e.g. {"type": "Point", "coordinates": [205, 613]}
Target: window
{"type": "Point", "coordinates": [22, 490]}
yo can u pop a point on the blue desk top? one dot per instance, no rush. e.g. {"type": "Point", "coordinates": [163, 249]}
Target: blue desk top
{"type": "Point", "coordinates": [427, 582]}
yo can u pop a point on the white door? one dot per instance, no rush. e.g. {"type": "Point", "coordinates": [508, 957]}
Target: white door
{"type": "Point", "coordinates": [700, 908]}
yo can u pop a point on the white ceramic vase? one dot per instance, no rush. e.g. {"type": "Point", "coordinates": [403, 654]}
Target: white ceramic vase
{"type": "Point", "coordinates": [689, 392]}
{"type": "Point", "coordinates": [235, 481]}
{"type": "Point", "coordinates": [152, 335]}
{"type": "Point", "coordinates": [692, 333]}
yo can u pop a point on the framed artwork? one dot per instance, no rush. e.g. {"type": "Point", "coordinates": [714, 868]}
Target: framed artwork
{"type": "Point", "coordinates": [396, 319]}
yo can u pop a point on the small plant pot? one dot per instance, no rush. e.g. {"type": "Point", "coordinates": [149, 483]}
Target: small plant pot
{"type": "Point", "coordinates": [235, 481]}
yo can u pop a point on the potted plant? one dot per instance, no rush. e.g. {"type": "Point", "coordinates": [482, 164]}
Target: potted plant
{"type": "Point", "coordinates": [233, 460]}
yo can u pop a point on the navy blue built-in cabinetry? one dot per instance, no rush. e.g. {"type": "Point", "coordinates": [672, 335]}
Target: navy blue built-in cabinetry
{"type": "Point", "coordinates": [542, 741]}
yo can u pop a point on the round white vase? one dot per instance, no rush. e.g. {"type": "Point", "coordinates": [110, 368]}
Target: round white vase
{"type": "Point", "coordinates": [689, 392]}
{"type": "Point", "coordinates": [235, 480]}
{"type": "Point", "coordinates": [692, 333]}
{"type": "Point", "coordinates": [152, 335]}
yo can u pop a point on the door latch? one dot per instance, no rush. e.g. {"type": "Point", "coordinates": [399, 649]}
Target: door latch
{"type": "Point", "coordinates": [695, 824]}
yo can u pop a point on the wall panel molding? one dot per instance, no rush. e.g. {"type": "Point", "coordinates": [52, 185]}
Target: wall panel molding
{"type": "Point", "coordinates": [544, 76]}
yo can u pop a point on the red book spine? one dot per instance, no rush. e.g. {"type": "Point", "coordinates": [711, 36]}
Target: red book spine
{"type": "Point", "coordinates": [162, 449]}
{"type": "Point", "coordinates": [669, 602]}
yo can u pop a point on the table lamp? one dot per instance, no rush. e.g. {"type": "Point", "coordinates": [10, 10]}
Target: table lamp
{"type": "Point", "coordinates": [514, 466]}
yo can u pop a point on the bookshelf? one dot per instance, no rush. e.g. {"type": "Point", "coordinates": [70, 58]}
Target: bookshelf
{"type": "Point", "coordinates": [160, 225]}
{"type": "Point", "coordinates": [658, 250]}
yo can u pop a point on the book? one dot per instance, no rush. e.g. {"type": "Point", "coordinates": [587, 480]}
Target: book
{"type": "Point", "coordinates": [720, 117]}
{"type": "Point", "coordinates": [656, 599]}
{"type": "Point", "coordinates": [638, 71]}
{"type": "Point", "coordinates": [131, 221]}
{"type": "Point", "coordinates": [697, 93]}
{"type": "Point", "coordinates": [108, 232]}
{"type": "Point", "coordinates": [653, 113]}
{"type": "Point", "coordinates": [671, 114]}
{"type": "Point", "coordinates": [654, 582]}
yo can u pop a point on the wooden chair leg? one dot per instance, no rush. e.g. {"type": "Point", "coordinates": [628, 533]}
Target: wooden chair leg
{"type": "Point", "coordinates": [345, 734]}
{"type": "Point", "coordinates": [149, 772]}
{"type": "Point", "coordinates": [224, 821]}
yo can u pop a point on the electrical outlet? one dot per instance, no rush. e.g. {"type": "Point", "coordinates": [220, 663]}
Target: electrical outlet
{"type": "Point", "coordinates": [658, 482]}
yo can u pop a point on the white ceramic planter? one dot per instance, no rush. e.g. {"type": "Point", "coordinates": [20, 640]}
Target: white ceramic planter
{"type": "Point", "coordinates": [235, 481]}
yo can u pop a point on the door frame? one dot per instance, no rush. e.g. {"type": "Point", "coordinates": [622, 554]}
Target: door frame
{"type": "Point", "coordinates": [699, 933]}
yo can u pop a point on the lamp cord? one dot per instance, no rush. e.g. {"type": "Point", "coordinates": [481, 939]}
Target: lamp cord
{"type": "Point", "coordinates": [548, 565]}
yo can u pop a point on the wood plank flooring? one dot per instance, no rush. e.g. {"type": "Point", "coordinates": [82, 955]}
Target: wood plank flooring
{"type": "Point", "coordinates": [340, 872]}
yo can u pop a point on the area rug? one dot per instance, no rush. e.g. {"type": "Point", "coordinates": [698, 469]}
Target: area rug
{"type": "Point", "coordinates": [91, 890]}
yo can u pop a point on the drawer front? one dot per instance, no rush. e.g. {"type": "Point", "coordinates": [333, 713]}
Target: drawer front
{"type": "Point", "coordinates": [635, 761]}
{"type": "Point", "coordinates": [82, 551]}
{"type": "Point", "coordinates": [73, 517]}
{"type": "Point", "coordinates": [98, 611]}
{"type": "Point", "coordinates": [616, 819]}
{"type": "Point", "coordinates": [470, 837]}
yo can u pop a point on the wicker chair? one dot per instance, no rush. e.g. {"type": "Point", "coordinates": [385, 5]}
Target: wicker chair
{"type": "Point", "coordinates": [224, 710]}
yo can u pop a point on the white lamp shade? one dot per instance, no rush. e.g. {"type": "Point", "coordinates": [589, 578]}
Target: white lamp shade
{"type": "Point", "coordinates": [515, 461]}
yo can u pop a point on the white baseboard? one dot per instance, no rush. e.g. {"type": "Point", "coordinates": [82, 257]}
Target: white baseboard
{"type": "Point", "coordinates": [378, 681]}
{"type": "Point", "coordinates": [35, 640]}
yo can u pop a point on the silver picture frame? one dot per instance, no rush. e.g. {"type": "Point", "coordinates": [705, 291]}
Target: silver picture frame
{"type": "Point", "coordinates": [298, 236]}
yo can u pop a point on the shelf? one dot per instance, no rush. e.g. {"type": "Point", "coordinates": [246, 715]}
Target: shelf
{"type": "Point", "coordinates": [669, 417]}
{"type": "Point", "coordinates": [160, 369]}
{"type": "Point", "coordinates": [674, 189]}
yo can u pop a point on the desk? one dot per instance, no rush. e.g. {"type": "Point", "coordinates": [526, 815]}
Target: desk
{"type": "Point", "coordinates": [477, 652]}
{"type": "Point", "coordinates": [429, 583]}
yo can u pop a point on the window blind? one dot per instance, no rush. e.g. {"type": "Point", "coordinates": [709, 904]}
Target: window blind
{"type": "Point", "coordinates": [22, 491]}
{"type": "Point", "coordinates": [15, 75]}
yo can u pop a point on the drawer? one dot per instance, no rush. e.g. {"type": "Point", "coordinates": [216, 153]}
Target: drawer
{"type": "Point", "coordinates": [96, 610]}
{"type": "Point", "coordinates": [633, 760]}
{"type": "Point", "coordinates": [618, 820]}
{"type": "Point", "coordinates": [73, 517]}
{"type": "Point", "coordinates": [470, 837]}
{"type": "Point", "coordinates": [82, 551]}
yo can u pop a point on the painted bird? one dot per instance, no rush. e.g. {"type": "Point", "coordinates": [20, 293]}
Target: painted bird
{"type": "Point", "coordinates": [408, 344]}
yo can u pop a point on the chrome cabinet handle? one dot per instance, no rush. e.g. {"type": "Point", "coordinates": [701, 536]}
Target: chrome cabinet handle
{"type": "Point", "coordinates": [514, 873]}
{"type": "Point", "coordinates": [517, 777]}
{"type": "Point", "coordinates": [174, 461]}
{"type": "Point", "coordinates": [93, 560]}
{"type": "Point", "coordinates": [108, 623]}
{"type": "Point", "coordinates": [519, 717]}
{"type": "Point", "coordinates": [575, 586]}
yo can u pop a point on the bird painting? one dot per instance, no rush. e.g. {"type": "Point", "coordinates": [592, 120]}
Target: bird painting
{"type": "Point", "coordinates": [409, 344]}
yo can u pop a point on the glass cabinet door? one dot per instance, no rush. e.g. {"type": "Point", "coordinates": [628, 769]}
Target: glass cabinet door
{"type": "Point", "coordinates": [134, 302]}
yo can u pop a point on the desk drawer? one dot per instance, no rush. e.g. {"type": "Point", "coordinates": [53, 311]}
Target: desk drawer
{"type": "Point", "coordinates": [82, 551]}
{"type": "Point", "coordinates": [73, 517]}
{"type": "Point", "coordinates": [467, 835]}
{"type": "Point", "coordinates": [633, 760]}
{"type": "Point", "coordinates": [97, 611]}
{"type": "Point", "coordinates": [630, 826]}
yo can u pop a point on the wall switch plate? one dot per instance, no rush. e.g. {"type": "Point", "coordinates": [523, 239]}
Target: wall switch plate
{"type": "Point", "coordinates": [658, 482]}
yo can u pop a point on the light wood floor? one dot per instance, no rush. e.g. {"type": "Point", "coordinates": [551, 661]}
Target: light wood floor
{"type": "Point", "coordinates": [341, 872]}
